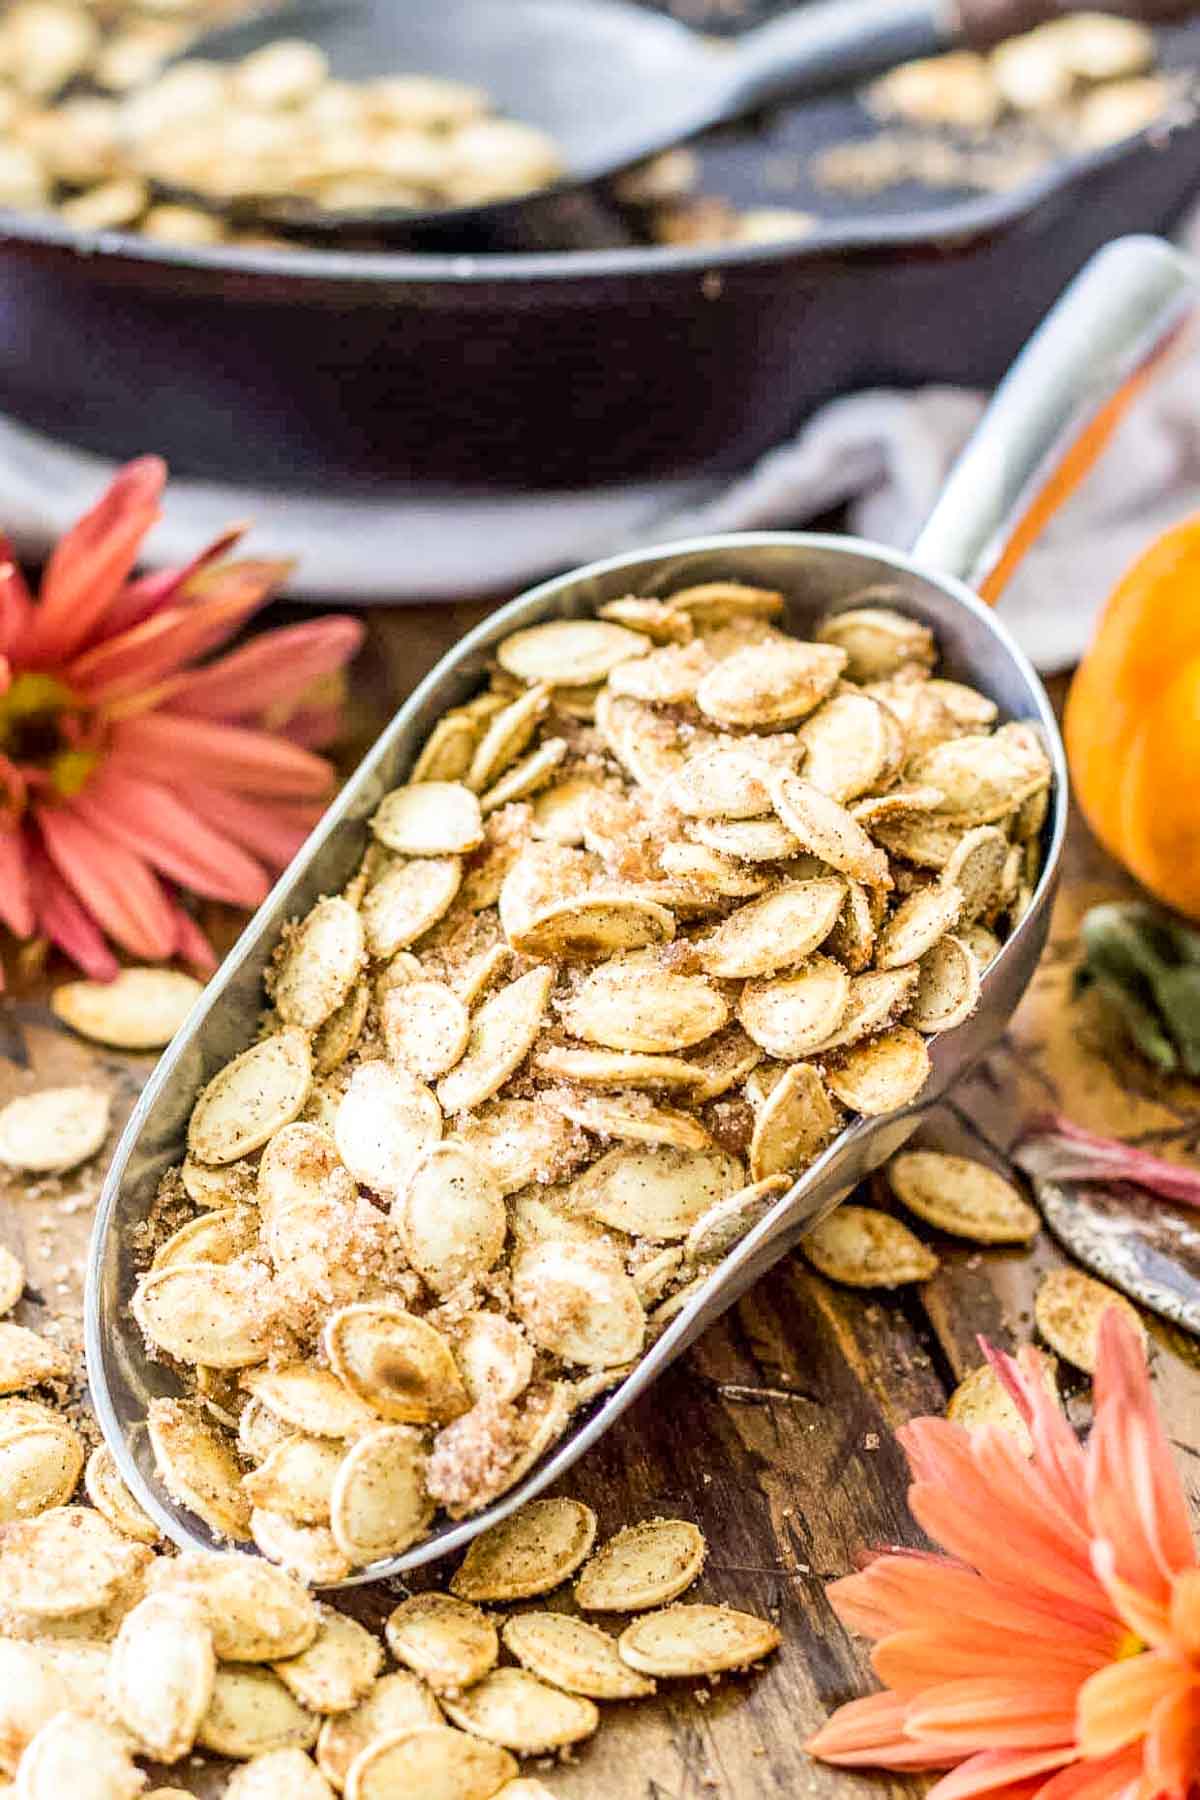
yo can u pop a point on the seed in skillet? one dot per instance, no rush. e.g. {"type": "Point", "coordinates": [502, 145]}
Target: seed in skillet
{"type": "Point", "coordinates": [432, 1760]}
{"type": "Point", "coordinates": [1068, 1308]}
{"type": "Point", "coordinates": [51, 1132]}
{"type": "Point", "coordinates": [573, 1655]}
{"type": "Point", "coordinates": [696, 1640]}
{"type": "Point", "coordinates": [447, 1642]}
{"type": "Point", "coordinates": [861, 1247]}
{"type": "Point", "coordinates": [962, 1196]}
{"type": "Point", "coordinates": [529, 1553]}
{"type": "Point", "coordinates": [512, 1708]}
{"type": "Point", "coordinates": [141, 1010]}
{"type": "Point", "coordinates": [643, 1566]}
{"type": "Point", "coordinates": [12, 1280]}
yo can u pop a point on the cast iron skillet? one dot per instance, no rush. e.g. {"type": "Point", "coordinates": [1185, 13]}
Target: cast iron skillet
{"type": "Point", "coordinates": [443, 372]}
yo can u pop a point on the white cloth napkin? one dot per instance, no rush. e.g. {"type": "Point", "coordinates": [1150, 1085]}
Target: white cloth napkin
{"type": "Point", "coordinates": [884, 454]}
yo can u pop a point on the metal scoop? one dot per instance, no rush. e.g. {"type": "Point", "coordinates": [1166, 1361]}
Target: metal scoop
{"type": "Point", "coordinates": [1089, 357]}
{"type": "Point", "coordinates": [609, 81]}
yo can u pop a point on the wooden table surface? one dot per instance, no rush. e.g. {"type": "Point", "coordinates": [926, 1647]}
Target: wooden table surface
{"type": "Point", "coordinates": [776, 1432]}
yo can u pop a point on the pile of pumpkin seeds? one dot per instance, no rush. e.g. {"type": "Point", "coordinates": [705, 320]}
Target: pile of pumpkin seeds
{"type": "Point", "coordinates": [660, 910]}
{"type": "Point", "coordinates": [111, 1654]}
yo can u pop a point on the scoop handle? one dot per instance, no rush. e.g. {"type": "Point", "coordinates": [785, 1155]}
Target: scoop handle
{"type": "Point", "coordinates": [832, 43]}
{"type": "Point", "coordinates": [1056, 409]}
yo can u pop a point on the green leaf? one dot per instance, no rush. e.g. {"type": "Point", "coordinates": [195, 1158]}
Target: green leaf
{"type": "Point", "coordinates": [1140, 1021]}
{"type": "Point", "coordinates": [1177, 993]}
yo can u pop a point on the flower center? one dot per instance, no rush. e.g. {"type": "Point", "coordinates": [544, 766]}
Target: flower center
{"type": "Point", "coordinates": [41, 732]}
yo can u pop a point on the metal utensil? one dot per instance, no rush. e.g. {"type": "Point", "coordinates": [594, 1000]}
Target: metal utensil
{"type": "Point", "coordinates": [609, 81]}
{"type": "Point", "coordinates": [1107, 331]}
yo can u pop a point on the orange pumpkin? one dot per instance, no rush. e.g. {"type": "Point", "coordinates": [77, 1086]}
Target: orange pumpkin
{"type": "Point", "coordinates": [1132, 722]}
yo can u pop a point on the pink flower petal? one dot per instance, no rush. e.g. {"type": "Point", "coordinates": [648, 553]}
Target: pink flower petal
{"type": "Point", "coordinates": [945, 1650]}
{"type": "Point", "coordinates": [16, 894]}
{"type": "Point", "coordinates": [138, 599]}
{"type": "Point", "coordinates": [1135, 1497]}
{"type": "Point", "coordinates": [870, 1733]}
{"type": "Point", "coordinates": [1172, 1751]}
{"type": "Point", "coordinates": [148, 820]}
{"type": "Point", "coordinates": [122, 665]}
{"type": "Point", "coordinates": [273, 829]}
{"type": "Point", "coordinates": [64, 921]}
{"type": "Point", "coordinates": [1106, 1779]}
{"type": "Point", "coordinates": [168, 747]}
{"type": "Point", "coordinates": [115, 886]}
{"type": "Point", "coordinates": [275, 667]}
{"type": "Point", "coordinates": [1115, 1703]}
{"type": "Point", "coordinates": [1055, 1149]}
{"type": "Point", "coordinates": [993, 1769]}
{"type": "Point", "coordinates": [1025, 1711]}
{"type": "Point", "coordinates": [191, 944]}
{"type": "Point", "coordinates": [89, 565]}
{"type": "Point", "coordinates": [16, 605]}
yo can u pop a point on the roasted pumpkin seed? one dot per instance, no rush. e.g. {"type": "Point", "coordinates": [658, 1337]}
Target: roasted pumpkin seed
{"type": "Point", "coordinates": [862, 1247]}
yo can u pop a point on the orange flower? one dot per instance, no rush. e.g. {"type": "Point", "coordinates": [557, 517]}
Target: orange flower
{"type": "Point", "coordinates": [1055, 1649]}
{"type": "Point", "coordinates": [125, 769]}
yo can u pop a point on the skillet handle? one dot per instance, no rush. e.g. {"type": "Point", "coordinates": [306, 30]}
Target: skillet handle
{"type": "Point", "coordinates": [986, 22]}
{"type": "Point", "coordinates": [1056, 409]}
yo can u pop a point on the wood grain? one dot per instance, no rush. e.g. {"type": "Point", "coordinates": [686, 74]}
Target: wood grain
{"type": "Point", "coordinates": [776, 1432]}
